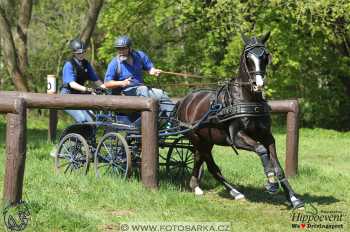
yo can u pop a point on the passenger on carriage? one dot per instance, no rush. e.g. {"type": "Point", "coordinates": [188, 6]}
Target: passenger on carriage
{"type": "Point", "coordinates": [125, 74]}
{"type": "Point", "coordinates": [76, 71]}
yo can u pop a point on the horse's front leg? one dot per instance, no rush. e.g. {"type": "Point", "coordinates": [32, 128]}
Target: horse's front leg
{"type": "Point", "coordinates": [290, 194]}
{"type": "Point", "coordinates": [243, 141]}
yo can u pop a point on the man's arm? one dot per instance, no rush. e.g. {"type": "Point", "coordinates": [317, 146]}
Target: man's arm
{"type": "Point", "coordinates": [148, 64]}
{"type": "Point", "coordinates": [76, 86]}
{"type": "Point", "coordinates": [69, 77]}
{"type": "Point", "coordinates": [110, 76]}
{"type": "Point", "coordinates": [117, 84]}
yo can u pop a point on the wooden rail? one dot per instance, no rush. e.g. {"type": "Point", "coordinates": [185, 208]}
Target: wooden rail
{"type": "Point", "coordinates": [16, 103]}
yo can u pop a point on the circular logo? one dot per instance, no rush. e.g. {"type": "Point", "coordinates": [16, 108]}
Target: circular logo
{"type": "Point", "coordinates": [16, 217]}
{"type": "Point", "coordinates": [124, 227]}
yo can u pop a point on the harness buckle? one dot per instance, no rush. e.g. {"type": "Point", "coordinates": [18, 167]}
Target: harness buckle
{"type": "Point", "coordinates": [216, 107]}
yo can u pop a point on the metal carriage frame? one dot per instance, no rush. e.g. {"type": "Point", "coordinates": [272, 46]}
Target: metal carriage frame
{"type": "Point", "coordinates": [118, 149]}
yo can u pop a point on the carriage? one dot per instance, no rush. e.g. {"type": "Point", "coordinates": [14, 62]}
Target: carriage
{"type": "Point", "coordinates": [236, 115]}
{"type": "Point", "coordinates": [112, 146]}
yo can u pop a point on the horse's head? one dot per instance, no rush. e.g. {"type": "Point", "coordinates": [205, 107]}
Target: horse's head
{"type": "Point", "coordinates": [255, 59]}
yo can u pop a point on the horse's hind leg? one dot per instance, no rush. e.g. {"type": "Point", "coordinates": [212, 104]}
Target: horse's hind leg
{"type": "Point", "coordinates": [215, 171]}
{"type": "Point", "coordinates": [194, 183]}
{"type": "Point", "coordinates": [290, 194]}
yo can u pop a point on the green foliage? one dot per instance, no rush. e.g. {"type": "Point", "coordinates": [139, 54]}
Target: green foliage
{"type": "Point", "coordinates": [310, 44]}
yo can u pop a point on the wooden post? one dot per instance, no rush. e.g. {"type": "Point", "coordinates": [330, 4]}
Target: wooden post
{"type": "Point", "coordinates": [292, 141]}
{"type": "Point", "coordinates": [149, 130]}
{"type": "Point", "coordinates": [52, 131]}
{"type": "Point", "coordinates": [148, 106]}
{"type": "Point", "coordinates": [15, 153]}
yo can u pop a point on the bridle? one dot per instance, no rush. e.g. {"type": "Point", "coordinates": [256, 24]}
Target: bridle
{"type": "Point", "coordinates": [250, 74]}
{"type": "Point", "coordinates": [227, 90]}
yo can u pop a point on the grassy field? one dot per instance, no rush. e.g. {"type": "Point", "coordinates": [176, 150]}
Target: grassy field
{"type": "Point", "coordinates": [84, 203]}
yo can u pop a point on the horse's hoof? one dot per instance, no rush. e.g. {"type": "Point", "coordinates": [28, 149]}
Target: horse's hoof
{"type": "Point", "coordinates": [297, 203]}
{"type": "Point", "coordinates": [198, 191]}
{"type": "Point", "coordinates": [272, 188]}
{"type": "Point", "coordinates": [236, 195]}
{"type": "Point", "coordinates": [240, 197]}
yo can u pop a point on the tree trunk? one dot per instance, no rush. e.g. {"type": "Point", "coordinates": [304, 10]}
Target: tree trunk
{"type": "Point", "coordinates": [20, 35]}
{"type": "Point", "coordinates": [10, 53]}
{"type": "Point", "coordinates": [91, 19]}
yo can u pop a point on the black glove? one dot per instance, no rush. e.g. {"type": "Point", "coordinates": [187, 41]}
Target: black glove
{"type": "Point", "coordinates": [101, 91]}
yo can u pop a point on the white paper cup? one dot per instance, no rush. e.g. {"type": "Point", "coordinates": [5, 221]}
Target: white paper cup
{"type": "Point", "coordinates": [51, 84]}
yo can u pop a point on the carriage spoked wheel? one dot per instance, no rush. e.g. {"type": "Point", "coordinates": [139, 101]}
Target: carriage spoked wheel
{"type": "Point", "coordinates": [113, 156]}
{"type": "Point", "coordinates": [73, 154]}
{"type": "Point", "coordinates": [180, 160]}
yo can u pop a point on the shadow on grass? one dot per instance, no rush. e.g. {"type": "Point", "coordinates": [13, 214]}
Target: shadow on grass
{"type": "Point", "coordinates": [182, 183]}
{"type": "Point", "coordinates": [258, 195]}
{"type": "Point", "coordinates": [251, 193]}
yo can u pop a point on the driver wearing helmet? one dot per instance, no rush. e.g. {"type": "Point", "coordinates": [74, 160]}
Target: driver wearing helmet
{"type": "Point", "coordinates": [125, 74]}
{"type": "Point", "coordinates": [76, 71]}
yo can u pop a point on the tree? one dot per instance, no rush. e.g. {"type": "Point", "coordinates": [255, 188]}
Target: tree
{"type": "Point", "coordinates": [15, 18]}
{"type": "Point", "coordinates": [310, 43]}
{"type": "Point", "coordinates": [91, 19]}
{"type": "Point", "coordinates": [14, 38]}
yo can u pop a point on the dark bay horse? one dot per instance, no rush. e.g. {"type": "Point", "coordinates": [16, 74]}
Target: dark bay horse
{"type": "Point", "coordinates": [242, 120]}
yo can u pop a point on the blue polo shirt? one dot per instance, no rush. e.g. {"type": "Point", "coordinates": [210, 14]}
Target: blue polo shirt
{"type": "Point", "coordinates": [141, 62]}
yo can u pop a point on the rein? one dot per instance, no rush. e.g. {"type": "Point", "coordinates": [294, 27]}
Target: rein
{"type": "Point", "coordinates": [223, 107]}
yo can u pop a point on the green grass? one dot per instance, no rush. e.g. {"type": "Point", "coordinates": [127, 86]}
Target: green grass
{"type": "Point", "coordinates": [84, 203]}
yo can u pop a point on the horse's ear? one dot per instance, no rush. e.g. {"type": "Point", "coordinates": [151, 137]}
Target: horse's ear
{"type": "Point", "coordinates": [265, 37]}
{"type": "Point", "coordinates": [245, 38]}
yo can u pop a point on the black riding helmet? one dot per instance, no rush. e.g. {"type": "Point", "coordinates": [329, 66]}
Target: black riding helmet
{"type": "Point", "coordinates": [122, 42]}
{"type": "Point", "coordinates": [77, 46]}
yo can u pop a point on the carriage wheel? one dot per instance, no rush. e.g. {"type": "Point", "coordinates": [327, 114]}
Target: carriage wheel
{"type": "Point", "coordinates": [73, 154]}
{"type": "Point", "coordinates": [180, 160]}
{"type": "Point", "coordinates": [113, 156]}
